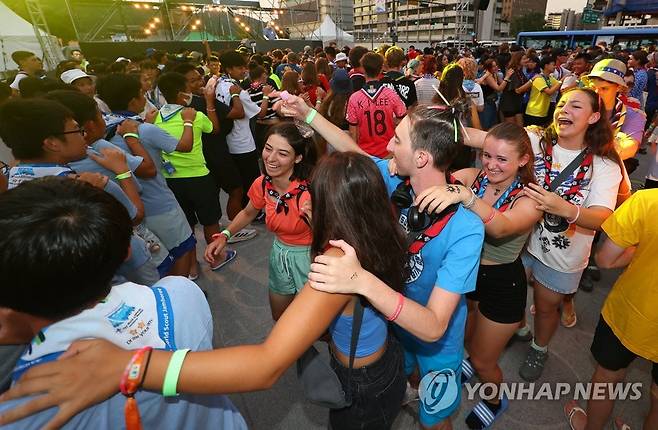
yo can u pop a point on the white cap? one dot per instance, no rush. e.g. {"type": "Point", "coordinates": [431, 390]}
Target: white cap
{"type": "Point", "coordinates": [341, 57]}
{"type": "Point", "coordinates": [122, 59]}
{"type": "Point", "coordinates": [72, 75]}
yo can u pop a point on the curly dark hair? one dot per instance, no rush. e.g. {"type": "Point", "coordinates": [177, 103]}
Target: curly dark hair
{"type": "Point", "coordinates": [345, 184]}
{"type": "Point", "coordinates": [304, 146]}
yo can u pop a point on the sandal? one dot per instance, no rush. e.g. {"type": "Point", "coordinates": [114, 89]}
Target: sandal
{"type": "Point", "coordinates": [570, 413]}
{"type": "Point", "coordinates": [467, 371]}
{"type": "Point", "coordinates": [486, 416]}
{"type": "Point", "coordinates": [620, 425]}
{"type": "Point", "coordinates": [568, 320]}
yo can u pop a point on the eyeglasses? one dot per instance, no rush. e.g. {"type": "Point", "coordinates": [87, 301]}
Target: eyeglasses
{"type": "Point", "coordinates": [80, 130]}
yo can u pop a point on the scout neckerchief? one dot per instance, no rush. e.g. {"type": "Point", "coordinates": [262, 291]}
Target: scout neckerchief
{"type": "Point", "coordinates": [618, 115]}
{"type": "Point", "coordinates": [170, 110]}
{"type": "Point", "coordinates": [554, 223]}
{"type": "Point", "coordinates": [435, 228]}
{"type": "Point", "coordinates": [281, 200]}
{"type": "Point", "coordinates": [506, 199]}
{"type": "Point", "coordinates": [584, 167]}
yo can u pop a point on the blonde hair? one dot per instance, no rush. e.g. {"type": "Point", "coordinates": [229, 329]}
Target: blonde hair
{"type": "Point", "coordinates": [469, 66]}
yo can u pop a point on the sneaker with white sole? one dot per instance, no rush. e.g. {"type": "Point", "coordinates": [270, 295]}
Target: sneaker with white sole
{"type": "Point", "coordinates": [230, 256]}
{"type": "Point", "coordinates": [242, 235]}
{"type": "Point", "coordinates": [533, 366]}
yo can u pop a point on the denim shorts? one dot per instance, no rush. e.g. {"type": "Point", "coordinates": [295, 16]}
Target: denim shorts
{"type": "Point", "coordinates": [443, 402]}
{"type": "Point", "coordinates": [559, 282]}
{"type": "Point", "coordinates": [289, 267]}
{"type": "Point", "coordinates": [377, 392]}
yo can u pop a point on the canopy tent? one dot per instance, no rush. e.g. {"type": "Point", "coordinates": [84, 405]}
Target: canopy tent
{"type": "Point", "coordinates": [16, 34]}
{"type": "Point", "coordinates": [328, 31]}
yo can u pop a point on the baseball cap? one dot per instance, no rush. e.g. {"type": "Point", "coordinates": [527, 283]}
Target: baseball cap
{"type": "Point", "coordinates": [73, 75]}
{"type": "Point", "coordinates": [340, 82]}
{"type": "Point", "coordinates": [610, 70]}
{"type": "Point", "coordinates": [341, 57]}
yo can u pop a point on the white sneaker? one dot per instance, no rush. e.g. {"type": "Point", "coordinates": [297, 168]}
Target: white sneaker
{"type": "Point", "coordinates": [242, 235]}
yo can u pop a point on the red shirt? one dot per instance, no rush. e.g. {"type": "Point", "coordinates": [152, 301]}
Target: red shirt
{"type": "Point", "coordinates": [373, 110]}
{"type": "Point", "coordinates": [289, 227]}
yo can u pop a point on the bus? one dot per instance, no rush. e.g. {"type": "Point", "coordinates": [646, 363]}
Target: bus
{"type": "Point", "coordinates": [625, 37]}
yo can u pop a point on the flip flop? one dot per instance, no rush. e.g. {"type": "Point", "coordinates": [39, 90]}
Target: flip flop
{"type": "Point", "coordinates": [575, 409]}
{"type": "Point", "coordinates": [467, 370]}
{"type": "Point", "coordinates": [486, 416]}
{"type": "Point", "coordinates": [620, 425]}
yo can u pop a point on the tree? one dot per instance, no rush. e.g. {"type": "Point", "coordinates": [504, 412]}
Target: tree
{"type": "Point", "coordinates": [529, 22]}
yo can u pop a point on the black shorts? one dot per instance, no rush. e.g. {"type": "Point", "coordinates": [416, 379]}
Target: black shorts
{"type": "Point", "coordinates": [247, 165]}
{"type": "Point", "coordinates": [198, 198]}
{"type": "Point", "coordinates": [220, 163]}
{"type": "Point", "coordinates": [650, 184]}
{"type": "Point", "coordinates": [542, 121]}
{"type": "Point", "coordinates": [501, 291]}
{"type": "Point", "coordinates": [610, 353]}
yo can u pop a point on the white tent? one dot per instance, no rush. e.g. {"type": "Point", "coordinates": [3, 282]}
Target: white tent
{"type": "Point", "coordinates": [328, 31]}
{"type": "Point", "coordinates": [16, 34]}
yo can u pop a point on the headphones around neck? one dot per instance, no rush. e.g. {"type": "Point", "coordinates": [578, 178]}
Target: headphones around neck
{"type": "Point", "coordinates": [416, 220]}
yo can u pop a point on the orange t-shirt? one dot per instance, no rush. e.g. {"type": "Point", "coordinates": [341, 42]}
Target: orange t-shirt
{"type": "Point", "coordinates": [289, 228]}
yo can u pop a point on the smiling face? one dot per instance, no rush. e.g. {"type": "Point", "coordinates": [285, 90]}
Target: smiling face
{"type": "Point", "coordinates": [574, 114]}
{"type": "Point", "coordinates": [279, 157]}
{"type": "Point", "coordinates": [501, 160]}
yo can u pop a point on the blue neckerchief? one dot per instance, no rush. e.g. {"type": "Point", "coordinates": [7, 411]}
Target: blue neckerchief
{"type": "Point", "coordinates": [169, 111]}
{"type": "Point", "coordinates": [112, 121]}
{"type": "Point", "coordinates": [503, 197]}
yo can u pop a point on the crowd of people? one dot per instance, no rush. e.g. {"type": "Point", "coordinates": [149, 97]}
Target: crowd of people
{"type": "Point", "coordinates": [413, 198]}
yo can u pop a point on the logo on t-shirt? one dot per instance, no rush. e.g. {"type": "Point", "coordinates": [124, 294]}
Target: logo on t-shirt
{"type": "Point", "coordinates": [415, 266]}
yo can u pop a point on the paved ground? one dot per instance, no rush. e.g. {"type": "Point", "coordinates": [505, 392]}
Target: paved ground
{"type": "Point", "coordinates": [238, 298]}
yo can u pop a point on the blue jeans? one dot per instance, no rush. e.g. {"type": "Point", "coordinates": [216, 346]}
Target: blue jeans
{"type": "Point", "coordinates": [377, 392]}
{"type": "Point", "coordinates": [488, 117]}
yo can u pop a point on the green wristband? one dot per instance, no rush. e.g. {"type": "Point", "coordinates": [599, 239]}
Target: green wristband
{"type": "Point", "coordinates": [124, 175]}
{"type": "Point", "coordinates": [135, 135]}
{"type": "Point", "coordinates": [226, 233]}
{"type": "Point", "coordinates": [173, 371]}
{"type": "Point", "coordinates": [311, 116]}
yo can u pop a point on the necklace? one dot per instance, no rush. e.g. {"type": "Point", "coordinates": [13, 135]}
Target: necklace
{"type": "Point", "coordinates": [496, 191]}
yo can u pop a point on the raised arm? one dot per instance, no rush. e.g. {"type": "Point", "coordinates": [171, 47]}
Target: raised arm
{"type": "Point", "coordinates": [296, 107]}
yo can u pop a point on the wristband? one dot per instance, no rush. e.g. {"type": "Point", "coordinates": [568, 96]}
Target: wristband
{"type": "Point", "coordinates": [235, 95]}
{"type": "Point", "coordinates": [130, 383]}
{"type": "Point", "coordinates": [266, 98]}
{"type": "Point", "coordinates": [491, 217]}
{"type": "Point", "coordinates": [188, 124]}
{"type": "Point", "coordinates": [398, 308]}
{"type": "Point", "coordinates": [311, 116]}
{"type": "Point", "coordinates": [124, 175]}
{"type": "Point", "coordinates": [471, 201]}
{"type": "Point", "coordinates": [210, 109]}
{"type": "Point", "coordinates": [572, 221]}
{"type": "Point", "coordinates": [173, 372]}
{"type": "Point", "coordinates": [135, 135]}
{"type": "Point", "coordinates": [227, 234]}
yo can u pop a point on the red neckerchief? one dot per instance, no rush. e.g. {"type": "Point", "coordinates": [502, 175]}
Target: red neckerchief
{"type": "Point", "coordinates": [281, 204]}
{"type": "Point", "coordinates": [582, 171]}
{"type": "Point", "coordinates": [433, 230]}
{"type": "Point", "coordinates": [510, 197]}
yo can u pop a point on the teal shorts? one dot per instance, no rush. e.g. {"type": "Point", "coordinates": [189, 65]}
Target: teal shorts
{"type": "Point", "coordinates": [441, 376]}
{"type": "Point", "coordinates": [289, 267]}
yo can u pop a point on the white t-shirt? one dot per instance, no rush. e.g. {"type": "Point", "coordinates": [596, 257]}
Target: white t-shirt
{"type": "Point", "coordinates": [569, 250]}
{"type": "Point", "coordinates": [19, 77]}
{"type": "Point", "coordinates": [239, 140]}
{"type": "Point", "coordinates": [473, 90]}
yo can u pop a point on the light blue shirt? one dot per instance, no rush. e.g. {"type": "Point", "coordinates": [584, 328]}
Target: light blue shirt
{"type": "Point", "coordinates": [449, 261]}
{"type": "Point", "coordinates": [193, 329]}
{"type": "Point", "coordinates": [156, 195]}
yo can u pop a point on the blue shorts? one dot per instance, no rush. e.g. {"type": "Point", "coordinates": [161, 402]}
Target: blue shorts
{"type": "Point", "coordinates": [559, 282]}
{"type": "Point", "coordinates": [440, 387]}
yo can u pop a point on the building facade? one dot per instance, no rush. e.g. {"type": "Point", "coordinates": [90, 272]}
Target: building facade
{"type": "Point", "coordinates": [418, 22]}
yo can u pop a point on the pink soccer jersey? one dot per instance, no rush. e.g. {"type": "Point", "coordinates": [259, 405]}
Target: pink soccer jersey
{"type": "Point", "coordinates": [373, 109]}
